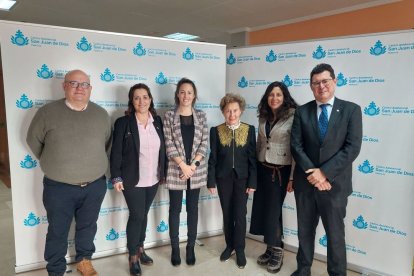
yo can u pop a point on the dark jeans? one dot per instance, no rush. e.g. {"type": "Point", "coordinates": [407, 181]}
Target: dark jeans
{"type": "Point", "coordinates": [63, 202]}
{"type": "Point", "coordinates": [139, 200]}
{"type": "Point", "coordinates": [176, 197]}
{"type": "Point", "coordinates": [233, 200]}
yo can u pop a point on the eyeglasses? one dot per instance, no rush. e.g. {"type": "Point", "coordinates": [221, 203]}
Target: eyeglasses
{"type": "Point", "coordinates": [325, 82]}
{"type": "Point", "coordinates": [75, 84]}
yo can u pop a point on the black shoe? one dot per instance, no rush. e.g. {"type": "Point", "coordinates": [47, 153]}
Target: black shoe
{"type": "Point", "coordinates": [301, 272]}
{"type": "Point", "coordinates": [226, 254]}
{"type": "Point", "coordinates": [190, 255]}
{"type": "Point", "coordinates": [175, 256]}
{"type": "Point", "coordinates": [144, 258]}
{"type": "Point", "coordinates": [265, 257]}
{"type": "Point", "coordinates": [240, 259]}
{"type": "Point", "coordinates": [134, 268]}
{"type": "Point", "coordinates": [276, 260]}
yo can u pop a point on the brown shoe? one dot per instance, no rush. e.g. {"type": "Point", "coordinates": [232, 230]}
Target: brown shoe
{"type": "Point", "coordinates": [85, 268]}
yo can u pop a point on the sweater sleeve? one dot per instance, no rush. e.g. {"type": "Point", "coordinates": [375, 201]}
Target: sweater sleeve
{"type": "Point", "coordinates": [36, 134]}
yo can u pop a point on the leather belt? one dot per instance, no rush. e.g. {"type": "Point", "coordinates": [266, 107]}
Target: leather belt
{"type": "Point", "coordinates": [275, 168]}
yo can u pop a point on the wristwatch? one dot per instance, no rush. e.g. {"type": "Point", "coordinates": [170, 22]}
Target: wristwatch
{"type": "Point", "coordinates": [196, 163]}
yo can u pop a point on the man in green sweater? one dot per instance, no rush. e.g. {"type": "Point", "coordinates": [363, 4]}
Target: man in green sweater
{"type": "Point", "coordinates": [70, 137]}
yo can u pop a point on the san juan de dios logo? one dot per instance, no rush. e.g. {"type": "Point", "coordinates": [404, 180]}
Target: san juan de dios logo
{"type": "Point", "coordinates": [84, 45]}
{"type": "Point", "coordinates": [162, 227]}
{"type": "Point", "coordinates": [24, 102]}
{"type": "Point", "coordinates": [19, 39]}
{"type": "Point", "coordinates": [28, 162]}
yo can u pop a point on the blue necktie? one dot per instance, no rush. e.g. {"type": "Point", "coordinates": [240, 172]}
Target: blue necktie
{"type": "Point", "coordinates": [323, 122]}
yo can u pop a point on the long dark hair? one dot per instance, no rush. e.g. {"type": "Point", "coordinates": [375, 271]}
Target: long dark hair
{"type": "Point", "coordinates": [131, 109]}
{"type": "Point", "coordinates": [265, 112]}
{"type": "Point", "coordinates": [177, 90]}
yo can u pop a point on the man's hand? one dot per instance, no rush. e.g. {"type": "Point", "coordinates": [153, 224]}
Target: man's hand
{"type": "Point", "coordinates": [316, 176]}
{"type": "Point", "coordinates": [324, 186]}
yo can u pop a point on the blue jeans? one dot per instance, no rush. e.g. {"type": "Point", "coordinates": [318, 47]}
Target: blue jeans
{"type": "Point", "coordinates": [63, 202]}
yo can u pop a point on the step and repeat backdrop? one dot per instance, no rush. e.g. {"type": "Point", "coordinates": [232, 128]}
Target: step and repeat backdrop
{"type": "Point", "coordinates": [35, 59]}
{"type": "Point", "coordinates": [375, 71]}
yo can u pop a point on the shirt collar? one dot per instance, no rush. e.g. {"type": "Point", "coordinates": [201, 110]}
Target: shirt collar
{"type": "Point", "coordinates": [72, 108]}
{"type": "Point", "coordinates": [330, 102]}
{"type": "Point", "coordinates": [150, 119]}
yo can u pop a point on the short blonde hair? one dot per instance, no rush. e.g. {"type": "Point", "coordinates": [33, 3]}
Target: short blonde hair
{"type": "Point", "coordinates": [232, 98]}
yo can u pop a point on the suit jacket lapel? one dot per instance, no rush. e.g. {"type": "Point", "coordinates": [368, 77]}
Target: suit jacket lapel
{"type": "Point", "coordinates": [134, 131]}
{"type": "Point", "coordinates": [313, 118]}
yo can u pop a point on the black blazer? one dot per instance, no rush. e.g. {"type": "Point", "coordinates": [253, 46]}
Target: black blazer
{"type": "Point", "coordinates": [222, 157]}
{"type": "Point", "coordinates": [339, 149]}
{"type": "Point", "coordinates": [125, 150]}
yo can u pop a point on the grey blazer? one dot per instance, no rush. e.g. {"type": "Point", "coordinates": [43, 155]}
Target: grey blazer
{"type": "Point", "coordinates": [175, 148]}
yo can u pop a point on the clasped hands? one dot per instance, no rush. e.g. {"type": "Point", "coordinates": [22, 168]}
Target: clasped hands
{"type": "Point", "coordinates": [318, 179]}
{"type": "Point", "coordinates": [187, 171]}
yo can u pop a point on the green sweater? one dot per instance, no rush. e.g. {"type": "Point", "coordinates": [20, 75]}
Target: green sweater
{"type": "Point", "coordinates": [71, 145]}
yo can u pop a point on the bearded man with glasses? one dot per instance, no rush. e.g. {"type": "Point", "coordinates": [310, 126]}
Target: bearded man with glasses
{"type": "Point", "coordinates": [71, 137]}
{"type": "Point", "coordinates": [326, 138]}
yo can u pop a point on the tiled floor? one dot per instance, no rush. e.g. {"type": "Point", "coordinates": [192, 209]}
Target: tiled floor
{"type": "Point", "coordinates": [208, 262]}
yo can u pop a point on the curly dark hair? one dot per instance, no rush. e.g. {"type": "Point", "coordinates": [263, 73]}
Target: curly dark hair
{"type": "Point", "coordinates": [265, 112]}
{"type": "Point", "coordinates": [131, 109]}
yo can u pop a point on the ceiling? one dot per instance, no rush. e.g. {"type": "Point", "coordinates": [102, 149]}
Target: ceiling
{"type": "Point", "coordinates": [212, 20]}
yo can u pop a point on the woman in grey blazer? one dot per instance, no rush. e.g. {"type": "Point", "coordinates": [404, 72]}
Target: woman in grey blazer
{"type": "Point", "coordinates": [186, 135]}
{"type": "Point", "coordinates": [274, 171]}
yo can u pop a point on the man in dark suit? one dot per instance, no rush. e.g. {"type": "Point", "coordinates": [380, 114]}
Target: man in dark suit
{"type": "Point", "coordinates": [326, 138]}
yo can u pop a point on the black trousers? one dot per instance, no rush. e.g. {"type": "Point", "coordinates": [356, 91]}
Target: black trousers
{"type": "Point", "coordinates": [63, 202]}
{"type": "Point", "coordinates": [310, 206]}
{"type": "Point", "coordinates": [267, 203]}
{"type": "Point", "coordinates": [139, 200]}
{"type": "Point", "coordinates": [233, 200]}
{"type": "Point", "coordinates": [191, 204]}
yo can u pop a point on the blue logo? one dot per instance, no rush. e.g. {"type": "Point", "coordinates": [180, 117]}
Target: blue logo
{"type": "Point", "coordinates": [28, 163]}
{"type": "Point", "coordinates": [319, 53]}
{"type": "Point", "coordinates": [31, 220]}
{"type": "Point", "coordinates": [378, 49]}
{"type": "Point", "coordinates": [243, 83]}
{"type": "Point", "coordinates": [341, 80]}
{"type": "Point", "coordinates": [184, 201]}
{"type": "Point", "coordinates": [323, 241]}
{"type": "Point", "coordinates": [139, 50]}
{"type": "Point", "coordinates": [84, 45]}
{"type": "Point", "coordinates": [231, 59]}
{"type": "Point", "coordinates": [19, 39]}
{"type": "Point", "coordinates": [107, 76]}
{"type": "Point", "coordinates": [271, 57]}
{"type": "Point", "coordinates": [366, 167]}
{"type": "Point", "coordinates": [188, 55]}
{"type": "Point", "coordinates": [372, 109]}
{"type": "Point", "coordinates": [109, 185]}
{"type": "Point", "coordinates": [162, 227]}
{"type": "Point", "coordinates": [112, 235]}
{"type": "Point", "coordinates": [287, 81]}
{"type": "Point", "coordinates": [24, 102]}
{"type": "Point", "coordinates": [360, 223]}
{"type": "Point", "coordinates": [161, 79]}
{"type": "Point", "coordinates": [44, 72]}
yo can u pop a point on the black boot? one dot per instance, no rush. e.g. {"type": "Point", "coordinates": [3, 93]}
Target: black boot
{"type": "Point", "coordinates": [134, 268]}
{"type": "Point", "coordinates": [265, 257]}
{"type": "Point", "coordinates": [226, 254]}
{"type": "Point", "coordinates": [175, 256]}
{"type": "Point", "coordinates": [190, 255]}
{"type": "Point", "coordinates": [240, 259]}
{"type": "Point", "coordinates": [143, 257]}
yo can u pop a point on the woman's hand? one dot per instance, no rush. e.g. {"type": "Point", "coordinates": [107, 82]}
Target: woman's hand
{"type": "Point", "coordinates": [186, 170]}
{"type": "Point", "coordinates": [212, 190]}
{"type": "Point", "coordinates": [250, 190]}
{"type": "Point", "coordinates": [289, 187]}
{"type": "Point", "coordinates": [119, 186]}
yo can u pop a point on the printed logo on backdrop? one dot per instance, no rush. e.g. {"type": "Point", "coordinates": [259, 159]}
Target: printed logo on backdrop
{"type": "Point", "coordinates": [208, 197]}
{"type": "Point", "coordinates": [341, 80]}
{"type": "Point", "coordinates": [190, 55]}
{"type": "Point", "coordinates": [370, 139]}
{"type": "Point", "coordinates": [113, 235]}
{"type": "Point", "coordinates": [162, 79]}
{"type": "Point", "coordinates": [28, 162]}
{"type": "Point", "coordinates": [367, 168]}
{"type": "Point", "coordinates": [162, 227]}
{"type": "Point", "coordinates": [105, 211]}
{"type": "Point", "coordinates": [109, 184]}
{"type": "Point", "coordinates": [372, 110]}
{"type": "Point", "coordinates": [272, 56]}
{"type": "Point", "coordinates": [84, 45]}
{"type": "Point", "coordinates": [44, 72]}
{"type": "Point", "coordinates": [108, 76]}
{"type": "Point", "coordinates": [361, 195]}
{"type": "Point", "coordinates": [323, 241]}
{"type": "Point", "coordinates": [231, 59]}
{"type": "Point", "coordinates": [288, 207]}
{"type": "Point", "coordinates": [184, 201]}
{"type": "Point", "coordinates": [164, 105]}
{"type": "Point", "coordinates": [379, 48]}
{"type": "Point", "coordinates": [19, 39]}
{"type": "Point", "coordinates": [33, 220]}
{"type": "Point", "coordinates": [288, 81]}
{"type": "Point", "coordinates": [24, 102]}
{"type": "Point", "coordinates": [159, 203]}
{"type": "Point", "coordinates": [360, 223]}
{"type": "Point", "coordinates": [290, 232]}
{"type": "Point", "coordinates": [199, 105]}
{"type": "Point", "coordinates": [140, 51]}
{"type": "Point", "coordinates": [321, 53]}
